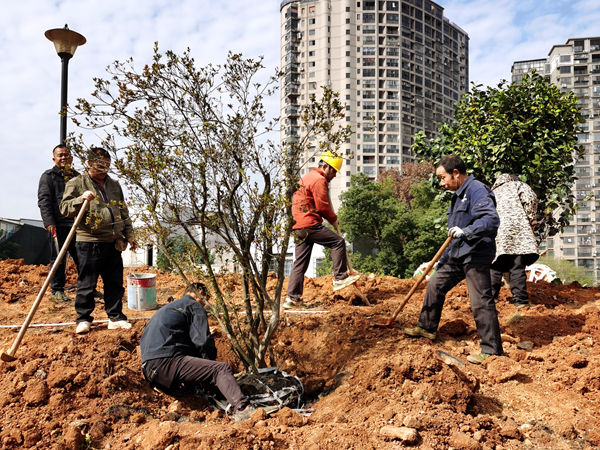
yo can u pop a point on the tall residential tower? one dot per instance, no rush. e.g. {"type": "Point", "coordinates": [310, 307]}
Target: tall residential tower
{"type": "Point", "coordinates": [399, 66]}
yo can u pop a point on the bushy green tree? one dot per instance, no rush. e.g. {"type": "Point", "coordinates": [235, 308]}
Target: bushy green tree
{"type": "Point", "coordinates": [391, 236]}
{"type": "Point", "coordinates": [192, 145]}
{"type": "Point", "coordinates": [567, 272]}
{"type": "Point", "coordinates": [529, 129]}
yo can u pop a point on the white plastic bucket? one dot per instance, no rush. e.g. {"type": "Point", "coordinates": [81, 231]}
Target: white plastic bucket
{"type": "Point", "coordinates": [141, 291]}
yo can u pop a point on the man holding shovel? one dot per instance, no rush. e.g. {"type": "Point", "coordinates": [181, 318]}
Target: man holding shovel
{"type": "Point", "coordinates": [472, 224]}
{"type": "Point", "coordinates": [50, 192]}
{"type": "Point", "coordinates": [104, 234]}
{"type": "Point", "coordinates": [310, 204]}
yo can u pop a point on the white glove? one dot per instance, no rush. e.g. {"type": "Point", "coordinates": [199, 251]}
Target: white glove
{"type": "Point", "coordinates": [456, 232]}
{"type": "Point", "coordinates": [88, 195]}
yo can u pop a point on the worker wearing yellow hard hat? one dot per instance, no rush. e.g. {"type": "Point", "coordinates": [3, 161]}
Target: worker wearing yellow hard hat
{"type": "Point", "coordinates": [333, 160]}
{"type": "Point", "coordinates": [310, 204]}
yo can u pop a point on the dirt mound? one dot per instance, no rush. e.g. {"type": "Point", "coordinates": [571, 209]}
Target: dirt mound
{"type": "Point", "coordinates": [367, 387]}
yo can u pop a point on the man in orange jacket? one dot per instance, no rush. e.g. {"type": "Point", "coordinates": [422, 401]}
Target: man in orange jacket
{"type": "Point", "coordinates": [310, 204]}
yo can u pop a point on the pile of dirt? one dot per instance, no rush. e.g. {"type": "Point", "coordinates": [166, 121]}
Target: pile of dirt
{"type": "Point", "coordinates": [367, 387]}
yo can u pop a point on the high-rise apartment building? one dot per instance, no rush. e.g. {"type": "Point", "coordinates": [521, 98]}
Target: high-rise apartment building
{"type": "Point", "coordinates": [399, 66]}
{"type": "Point", "coordinates": [575, 67]}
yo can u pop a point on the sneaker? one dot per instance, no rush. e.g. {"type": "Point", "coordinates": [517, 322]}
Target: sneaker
{"type": "Point", "coordinates": [477, 358]}
{"type": "Point", "coordinates": [82, 327]}
{"type": "Point", "coordinates": [243, 414]}
{"type": "Point", "coordinates": [118, 324]}
{"type": "Point", "coordinates": [420, 332]}
{"type": "Point", "coordinates": [341, 284]}
{"type": "Point", "coordinates": [60, 296]}
{"type": "Point", "coordinates": [291, 304]}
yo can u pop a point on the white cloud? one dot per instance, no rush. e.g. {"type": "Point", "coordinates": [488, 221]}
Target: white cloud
{"type": "Point", "coordinates": [501, 32]}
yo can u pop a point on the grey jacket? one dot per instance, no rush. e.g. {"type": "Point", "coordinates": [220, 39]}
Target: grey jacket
{"type": "Point", "coordinates": [104, 221]}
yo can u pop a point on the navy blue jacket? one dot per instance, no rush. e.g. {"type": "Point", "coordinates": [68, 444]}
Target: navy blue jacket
{"type": "Point", "coordinates": [178, 329]}
{"type": "Point", "coordinates": [473, 209]}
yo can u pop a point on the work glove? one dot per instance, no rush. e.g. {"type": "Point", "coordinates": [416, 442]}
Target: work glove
{"type": "Point", "coordinates": [456, 233]}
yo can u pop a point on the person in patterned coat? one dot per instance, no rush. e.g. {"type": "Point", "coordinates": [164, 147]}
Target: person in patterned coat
{"type": "Point", "coordinates": [516, 244]}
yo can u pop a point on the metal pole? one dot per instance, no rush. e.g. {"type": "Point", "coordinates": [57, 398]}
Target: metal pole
{"type": "Point", "coordinates": [64, 57]}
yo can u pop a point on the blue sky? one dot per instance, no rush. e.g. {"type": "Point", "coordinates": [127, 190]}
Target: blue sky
{"type": "Point", "coordinates": [500, 31]}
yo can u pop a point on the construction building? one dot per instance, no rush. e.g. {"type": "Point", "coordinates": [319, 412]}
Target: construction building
{"type": "Point", "coordinates": [575, 67]}
{"type": "Point", "coordinates": [399, 66]}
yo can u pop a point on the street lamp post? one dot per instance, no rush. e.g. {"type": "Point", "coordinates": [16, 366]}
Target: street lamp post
{"type": "Point", "coordinates": [66, 42]}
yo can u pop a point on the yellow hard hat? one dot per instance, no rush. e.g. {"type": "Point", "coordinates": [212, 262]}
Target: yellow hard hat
{"type": "Point", "coordinates": [333, 160]}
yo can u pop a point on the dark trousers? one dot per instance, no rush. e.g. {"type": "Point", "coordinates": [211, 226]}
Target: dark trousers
{"type": "Point", "coordinates": [104, 260]}
{"type": "Point", "coordinates": [480, 296]}
{"type": "Point", "coordinates": [58, 281]}
{"type": "Point", "coordinates": [515, 266]}
{"type": "Point", "coordinates": [168, 373]}
{"type": "Point", "coordinates": [304, 240]}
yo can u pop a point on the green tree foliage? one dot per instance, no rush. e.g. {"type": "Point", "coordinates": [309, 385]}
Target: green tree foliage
{"type": "Point", "coordinates": [528, 129]}
{"type": "Point", "coordinates": [390, 235]}
{"type": "Point", "coordinates": [567, 272]}
{"type": "Point", "coordinates": [8, 249]}
{"type": "Point", "coordinates": [192, 145]}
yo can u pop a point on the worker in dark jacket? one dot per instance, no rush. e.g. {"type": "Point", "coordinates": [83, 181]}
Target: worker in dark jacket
{"type": "Point", "coordinates": [310, 204]}
{"type": "Point", "coordinates": [50, 193]}
{"type": "Point", "coordinates": [472, 223]}
{"type": "Point", "coordinates": [177, 348]}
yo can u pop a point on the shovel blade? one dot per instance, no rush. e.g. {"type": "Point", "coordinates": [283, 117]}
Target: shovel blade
{"type": "Point", "coordinates": [388, 324]}
{"type": "Point", "coordinates": [4, 356]}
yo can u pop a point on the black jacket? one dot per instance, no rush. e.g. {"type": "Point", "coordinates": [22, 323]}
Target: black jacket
{"type": "Point", "coordinates": [177, 329]}
{"type": "Point", "coordinates": [50, 193]}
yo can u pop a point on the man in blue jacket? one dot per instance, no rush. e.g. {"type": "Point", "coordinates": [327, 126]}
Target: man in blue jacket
{"type": "Point", "coordinates": [178, 348]}
{"type": "Point", "coordinates": [472, 223]}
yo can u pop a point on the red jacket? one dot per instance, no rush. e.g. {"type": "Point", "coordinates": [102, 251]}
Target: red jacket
{"type": "Point", "coordinates": [310, 202]}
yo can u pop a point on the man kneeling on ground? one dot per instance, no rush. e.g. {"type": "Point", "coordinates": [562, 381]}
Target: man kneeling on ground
{"type": "Point", "coordinates": [177, 347]}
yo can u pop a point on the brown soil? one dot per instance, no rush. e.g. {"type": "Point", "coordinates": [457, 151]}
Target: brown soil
{"type": "Point", "coordinates": [69, 391]}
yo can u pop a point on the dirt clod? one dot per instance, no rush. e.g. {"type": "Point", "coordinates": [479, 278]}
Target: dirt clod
{"type": "Point", "coordinates": [358, 379]}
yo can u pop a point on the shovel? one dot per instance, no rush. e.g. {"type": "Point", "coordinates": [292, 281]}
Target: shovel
{"type": "Point", "coordinates": [9, 355]}
{"type": "Point", "coordinates": [416, 285]}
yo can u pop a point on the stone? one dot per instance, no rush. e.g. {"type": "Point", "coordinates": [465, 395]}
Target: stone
{"type": "Point", "coordinates": [404, 434]}
{"type": "Point", "coordinates": [36, 392]}
{"type": "Point", "coordinates": [525, 345]}
{"type": "Point", "coordinates": [463, 441]}
{"type": "Point", "coordinates": [501, 369]}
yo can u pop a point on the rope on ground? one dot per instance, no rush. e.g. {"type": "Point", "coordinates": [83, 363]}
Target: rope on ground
{"type": "Point", "coordinates": [64, 324]}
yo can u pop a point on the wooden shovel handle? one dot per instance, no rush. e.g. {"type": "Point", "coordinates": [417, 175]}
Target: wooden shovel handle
{"type": "Point", "coordinates": [435, 259]}
{"type": "Point", "coordinates": [10, 353]}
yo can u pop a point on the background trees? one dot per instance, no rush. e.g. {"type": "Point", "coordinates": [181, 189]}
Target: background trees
{"type": "Point", "coordinates": [396, 223]}
{"type": "Point", "coordinates": [529, 129]}
{"type": "Point", "coordinates": [192, 145]}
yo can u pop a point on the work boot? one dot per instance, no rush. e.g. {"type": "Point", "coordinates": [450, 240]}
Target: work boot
{"type": "Point", "coordinates": [82, 328]}
{"type": "Point", "coordinates": [60, 296]}
{"type": "Point", "coordinates": [118, 324]}
{"type": "Point", "coordinates": [477, 358]}
{"type": "Point", "coordinates": [420, 332]}
{"type": "Point", "coordinates": [291, 304]}
{"type": "Point", "coordinates": [341, 284]}
{"type": "Point", "coordinates": [243, 414]}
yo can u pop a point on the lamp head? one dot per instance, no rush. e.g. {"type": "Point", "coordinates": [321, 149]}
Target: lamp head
{"type": "Point", "coordinates": [65, 41]}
